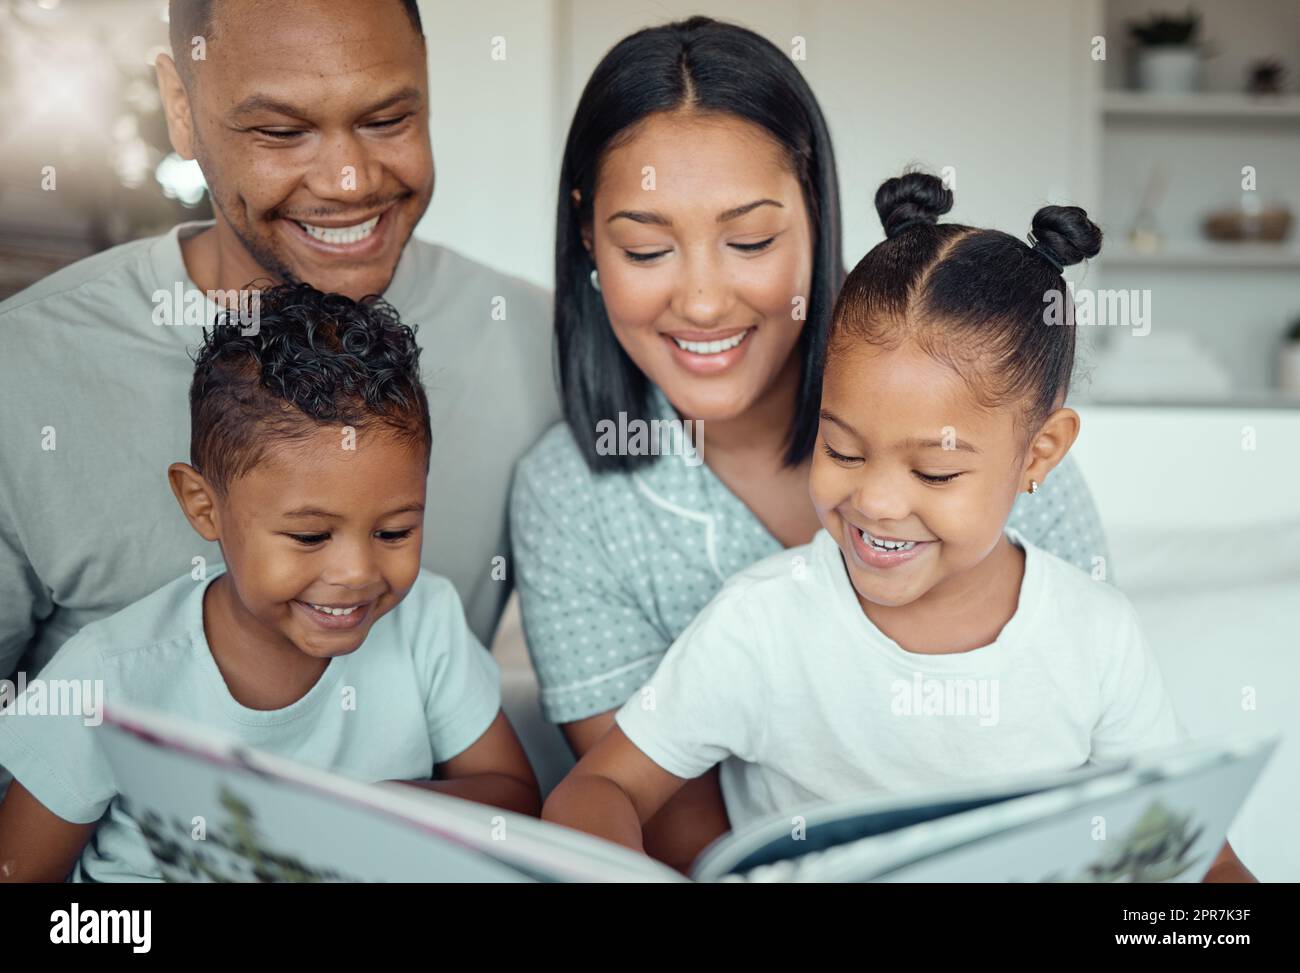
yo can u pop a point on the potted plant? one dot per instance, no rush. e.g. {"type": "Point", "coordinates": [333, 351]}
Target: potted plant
{"type": "Point", "coordinates": [1267, 76]}
{"type": "Point", "coordinates": [1168, 54]}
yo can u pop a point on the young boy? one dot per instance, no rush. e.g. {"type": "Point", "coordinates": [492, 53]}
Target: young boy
{"type": "Point", "coordinates": [321, 638]}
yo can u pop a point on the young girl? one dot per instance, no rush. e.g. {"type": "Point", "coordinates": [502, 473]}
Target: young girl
{"type": "Point", "coordinates": [829, 670]}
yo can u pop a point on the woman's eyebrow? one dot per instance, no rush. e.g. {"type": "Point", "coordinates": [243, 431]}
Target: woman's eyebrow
{"type": "Point", "coordinates": [739, 211]}
{"type": "Point", "coordinates": [658, 219]}
{"type": "Point", "coordinates": [641, 216]}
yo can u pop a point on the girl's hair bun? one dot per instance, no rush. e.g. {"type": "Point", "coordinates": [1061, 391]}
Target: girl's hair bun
{"type": "Point", "coordinates": [915, 197]}
{"type": "Point", "coordinates": [1067, 232]}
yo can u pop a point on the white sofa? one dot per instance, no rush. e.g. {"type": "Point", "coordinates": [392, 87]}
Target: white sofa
{"type": "Point", "coordinates": [1202, 508]}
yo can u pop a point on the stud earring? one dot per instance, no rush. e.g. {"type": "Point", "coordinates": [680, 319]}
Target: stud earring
{"type": "Point", "coordinates": [1033, 486]}
{"type": "Point", "coordinates": [595, 279]}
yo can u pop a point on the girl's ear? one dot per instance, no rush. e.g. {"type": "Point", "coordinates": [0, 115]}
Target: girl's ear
{"type": "Point", "coordinates": [197, 500]}
{"type": "Point", "coordinates": [1049, 445]}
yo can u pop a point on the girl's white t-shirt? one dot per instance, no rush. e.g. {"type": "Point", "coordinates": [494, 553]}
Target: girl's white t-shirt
{"type": "Point", "coordinates": [785, 681]}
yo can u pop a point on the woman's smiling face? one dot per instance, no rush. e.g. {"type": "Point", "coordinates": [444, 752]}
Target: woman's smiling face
{"type": "Point", "coordinates": [704, 249]}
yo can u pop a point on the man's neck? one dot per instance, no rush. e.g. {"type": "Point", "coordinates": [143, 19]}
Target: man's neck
{"type": "Point", "coordinates": [217, 264]}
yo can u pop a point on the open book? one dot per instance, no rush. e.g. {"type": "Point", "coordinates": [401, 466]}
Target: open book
{"type": "Point", "coordinates": [213, 809]}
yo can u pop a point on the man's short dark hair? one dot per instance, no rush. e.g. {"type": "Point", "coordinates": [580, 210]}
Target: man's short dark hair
{"type": "Point", "coordinates": [188, 19]}
{"type": "Point", "coordinates": [312, 360]}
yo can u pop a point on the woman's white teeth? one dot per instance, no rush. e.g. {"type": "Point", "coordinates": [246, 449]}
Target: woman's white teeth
{"type": "Point", "coordinates": [335, 611]}
{"type": "Point", "coordinates": [712, 347]}
{"type": "Point", "coordinates": [341, 234]}
{"type": "Point", "coordinates": [880, 545]}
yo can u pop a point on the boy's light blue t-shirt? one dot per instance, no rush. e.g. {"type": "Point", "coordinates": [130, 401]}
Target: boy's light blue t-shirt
{"type": "Point", "coordinates": [420, 690]}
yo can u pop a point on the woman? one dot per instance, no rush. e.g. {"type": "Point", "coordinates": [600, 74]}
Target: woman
{"type": "Point", "coordinates": [697, 258]}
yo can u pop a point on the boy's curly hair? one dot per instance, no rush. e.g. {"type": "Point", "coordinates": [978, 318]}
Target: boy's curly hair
{"type": "Point", "coordinates": [292, 360]}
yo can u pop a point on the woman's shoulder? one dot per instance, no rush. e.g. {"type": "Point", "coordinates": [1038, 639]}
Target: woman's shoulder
{"type": "Point", "coordinates": [555, 472]}
{"type": "Point", "coordinates": [552, 472]}
{"type": "Point", "coordinates": [554, 453]}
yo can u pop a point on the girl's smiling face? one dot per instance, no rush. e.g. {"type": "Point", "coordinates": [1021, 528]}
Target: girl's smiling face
{"type": "Point", "coordinates": [907, 455]}
{"type": "Point", "coordinates": [704, 249]}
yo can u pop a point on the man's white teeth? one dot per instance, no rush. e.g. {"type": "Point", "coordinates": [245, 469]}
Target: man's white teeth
{"type": "Point", "coordinates": [880, 545]}
{"type": "Point", "coordinates": [343, 234]}
{"type": "Point", "coordinates": [712, 347]}
{"type": "Point", "coordinates": [335, 611]}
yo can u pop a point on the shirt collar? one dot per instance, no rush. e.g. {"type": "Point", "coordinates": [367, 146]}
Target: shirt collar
{"type": "Point", "coordinates": [668, 472]}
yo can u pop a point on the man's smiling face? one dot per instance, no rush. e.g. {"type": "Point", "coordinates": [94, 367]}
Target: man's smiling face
{"type": "Point", "coordinates": [310, 122]}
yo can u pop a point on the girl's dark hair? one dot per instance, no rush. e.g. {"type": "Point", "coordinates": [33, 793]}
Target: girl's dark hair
{"type": "Point", "coordinates": [703, 66]}
{"type": "Point", "coordinates": [970, 296]}
{"type": "Point", "coordinates": [292, 359]}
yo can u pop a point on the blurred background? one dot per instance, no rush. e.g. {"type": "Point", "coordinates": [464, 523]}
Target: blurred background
{"type": "Point", "coordinates": [1177, 127]}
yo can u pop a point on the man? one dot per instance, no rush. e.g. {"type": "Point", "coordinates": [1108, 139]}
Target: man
{"type": "Point", "coordinates": [309, 120]}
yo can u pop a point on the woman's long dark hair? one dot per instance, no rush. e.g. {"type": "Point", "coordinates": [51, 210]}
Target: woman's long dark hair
{"type": "Point", "coordinates": [702, 65]}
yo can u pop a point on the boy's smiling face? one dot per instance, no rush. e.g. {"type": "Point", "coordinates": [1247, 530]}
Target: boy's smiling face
{"type": "Point", "coordinates": [319, 525]}
{"type": "Point", "coordinates": [893, 418]}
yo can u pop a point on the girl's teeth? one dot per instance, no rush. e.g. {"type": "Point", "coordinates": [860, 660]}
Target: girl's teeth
{"type": "Point", "coordinates": [341, 235]}
{"type": "Point", "coordinates": [880, 545]}
{"type": "Point", "coordinates": [712, 347]}
{"type": "Point", "coordinates": [335, 611]}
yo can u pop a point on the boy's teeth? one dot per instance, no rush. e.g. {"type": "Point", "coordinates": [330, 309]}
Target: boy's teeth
{"type": "Point", "coordinates": [880, 545]}
{"type": "Point", "coordinates": [712, 347]}
{"type": "Point", "coordinates": [342, 234]}
{"type": "Point", "coordinates": [334, 611]}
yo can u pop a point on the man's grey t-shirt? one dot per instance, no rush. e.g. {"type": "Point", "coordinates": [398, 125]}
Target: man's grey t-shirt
{"type": "Point", "coordinates": [94, 406]}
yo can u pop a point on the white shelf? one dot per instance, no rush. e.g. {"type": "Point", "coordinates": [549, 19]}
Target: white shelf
{"type": "Point", "coordinates": [1205, 255]}
{"type": "Point", "coordinates": [1209, 105]}
{"type": "Point", "coordinates": [1234, 399]}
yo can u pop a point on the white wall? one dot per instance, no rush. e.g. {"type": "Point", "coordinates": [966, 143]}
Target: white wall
{"type": "Point", "coordinates": [496, 140]}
